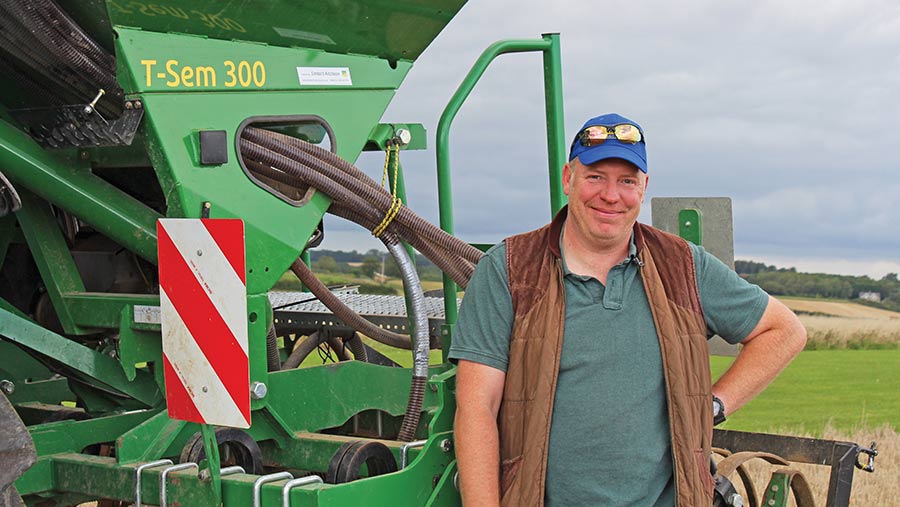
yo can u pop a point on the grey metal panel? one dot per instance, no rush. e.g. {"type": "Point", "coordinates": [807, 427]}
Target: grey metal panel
{"type": "Point", "coordinates": [717, 231]}
{"type": "Point", "coordinates": [717, 221]}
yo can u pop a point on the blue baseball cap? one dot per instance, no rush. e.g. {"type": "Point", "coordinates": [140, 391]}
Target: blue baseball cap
{"type": "Point", "coordinates": [611, 148]}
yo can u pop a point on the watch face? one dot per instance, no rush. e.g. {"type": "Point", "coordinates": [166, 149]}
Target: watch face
{"type": "Point", "coordinates": [717, 407]}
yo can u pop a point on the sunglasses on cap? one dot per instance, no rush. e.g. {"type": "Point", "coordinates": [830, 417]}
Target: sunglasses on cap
{"type": "Point", "coordinates": [598, 134]}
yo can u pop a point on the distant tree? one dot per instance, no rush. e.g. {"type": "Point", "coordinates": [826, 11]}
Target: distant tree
{"type": "Point", "coordinates": [370, 266]}
{"type": "Point", "coordinates": [326, 263]}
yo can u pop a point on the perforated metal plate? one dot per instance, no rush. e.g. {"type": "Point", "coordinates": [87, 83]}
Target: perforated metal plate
{"type": "Point", "coordinates": [305, 313]}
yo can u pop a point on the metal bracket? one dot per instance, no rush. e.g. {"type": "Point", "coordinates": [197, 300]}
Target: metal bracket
{"type": "Point", "coordinates": [80, 125]}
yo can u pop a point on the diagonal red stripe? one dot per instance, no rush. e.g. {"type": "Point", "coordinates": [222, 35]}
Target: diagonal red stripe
{"type": "Point", "coordinates": [229, 235]}
{"type": "Point", "coordinates": [180, 404]}
{"type": "Point", "coordinates": [204, 323]}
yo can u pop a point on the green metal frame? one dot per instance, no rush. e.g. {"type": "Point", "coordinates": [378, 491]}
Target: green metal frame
{"type": "Point", "coordinates": [185, 76]}
{"type": "Point", "coordinates": [549, 46]}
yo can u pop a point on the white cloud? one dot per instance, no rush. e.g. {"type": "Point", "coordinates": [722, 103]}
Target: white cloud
{"type": "Point", "coordinates": [788, 108]}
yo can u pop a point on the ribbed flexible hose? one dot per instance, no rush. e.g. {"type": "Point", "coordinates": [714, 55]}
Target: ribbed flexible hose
{"type": "Point", "coordinates": [357, 197]}
{"type": "Point", "coordinates": [273, 360]}
{"type": "Point", "coordinates": [413, 290]}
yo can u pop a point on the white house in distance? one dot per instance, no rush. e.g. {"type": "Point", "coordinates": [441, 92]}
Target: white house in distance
{"type": "Point", "coordinates": [870, 296]}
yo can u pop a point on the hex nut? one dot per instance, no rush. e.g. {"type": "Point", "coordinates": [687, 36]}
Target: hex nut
{"type": "Point", "coordinates": [404, 136]}
{"type": "Point", "coordinates": [7, 387]}
{"type": "Point", "coordinates": [446, 445]}
{"type": "Point", "coordinates": [258, 390]}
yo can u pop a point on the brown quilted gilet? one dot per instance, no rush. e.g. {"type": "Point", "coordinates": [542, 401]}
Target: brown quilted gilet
{"type": "Point", "coordinates": [538, 295]}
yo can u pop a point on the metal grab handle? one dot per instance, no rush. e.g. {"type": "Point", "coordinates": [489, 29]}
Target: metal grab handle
{"type": "Point", "coordinates": [236, 469]}
{"type": "Point", "coordinates": [137, 477]}
{"type": "Point", "coordinates": [286, 490]}
{"type": "Point", "coordinates": [162, 479]}
{"type": "Point", "coordinates": [872, 451]}
{"type": "Point", "coordinates": [258, 484]}
{"type": "Point", "coordinates": [404, 450]}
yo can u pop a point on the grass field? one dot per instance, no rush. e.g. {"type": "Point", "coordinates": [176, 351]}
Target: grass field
{"type": "Point", "coordinates": [846, 389]}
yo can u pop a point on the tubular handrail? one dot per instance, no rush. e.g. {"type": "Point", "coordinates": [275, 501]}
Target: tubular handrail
{"type": "Point", "coordinates": [549, 46]}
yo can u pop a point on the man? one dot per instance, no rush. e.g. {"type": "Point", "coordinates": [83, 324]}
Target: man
{"type": "Point", "coordinates": [583, 374]}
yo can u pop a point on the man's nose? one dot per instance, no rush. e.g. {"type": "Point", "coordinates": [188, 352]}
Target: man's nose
{"type": "Point", "coordinates": [609, 191]}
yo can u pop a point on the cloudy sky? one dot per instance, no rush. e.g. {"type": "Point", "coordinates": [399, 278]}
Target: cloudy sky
{"type": "Point", "coordinates": [790, 108]}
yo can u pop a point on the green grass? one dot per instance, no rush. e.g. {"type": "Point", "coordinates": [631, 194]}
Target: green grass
{"type": "Point", "coordinates": [850, 389]}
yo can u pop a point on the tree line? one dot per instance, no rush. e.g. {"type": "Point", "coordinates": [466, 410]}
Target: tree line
{"type": "Point", "coordinates": [368, 264]}
{"type": "Point", "coordinates": [788, 282]}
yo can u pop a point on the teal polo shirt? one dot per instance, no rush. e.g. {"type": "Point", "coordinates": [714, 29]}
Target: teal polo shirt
{"type": "Point", "coordinates": [609, 435]}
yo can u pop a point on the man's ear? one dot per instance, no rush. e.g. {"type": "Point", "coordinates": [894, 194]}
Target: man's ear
{"type": "Point", "coordinates": [567, 178]}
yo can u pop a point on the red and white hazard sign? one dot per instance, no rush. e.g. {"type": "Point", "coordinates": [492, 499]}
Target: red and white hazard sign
{"type": "Point", "coordinates": [203, 302]}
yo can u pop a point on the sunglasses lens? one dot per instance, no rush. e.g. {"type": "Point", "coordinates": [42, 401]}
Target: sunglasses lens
{"type": "Point", "coordinates": [628, 134]}
{"type": "Point", "coordinates": [592, 136]}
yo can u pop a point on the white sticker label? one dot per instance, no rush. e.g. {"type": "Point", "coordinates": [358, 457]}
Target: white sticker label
{"type": "Point", "coordinates": [329, 76]}
{"type": "Point", "coordinates": [147, 314]}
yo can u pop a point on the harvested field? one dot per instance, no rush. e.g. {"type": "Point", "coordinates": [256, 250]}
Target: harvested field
{"type": "Point", "coordinates": [839, 309]}
{"type": "Point", "coordinates": [841, 324]}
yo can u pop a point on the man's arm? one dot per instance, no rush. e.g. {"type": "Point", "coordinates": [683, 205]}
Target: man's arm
{"type": "Point", "coordinates": [479, 389]}
{"type": "Point", "coordinates": [774, 342]}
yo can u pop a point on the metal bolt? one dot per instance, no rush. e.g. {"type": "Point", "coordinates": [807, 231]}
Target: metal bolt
{"type": "Point", "coordinates": [85, 155]}
{"type": "Point", "coordinates": [258, 390]}
{"type": "Point", "coordinates": [7, 387]}
{"type": "Point", "coordinates": [771, 502]}
{"type": "Point", "coordinates": [88, 109]}
{"type": "Point", "coordinates": [404, 136]}
{"type": "Point", "coordinates": [199, 253]}
{"type": "Point", "coordinates": [774, 487]}
{"type": "Point", "coordinates": [736, 500]}
{"type": "Point", "coordinates": [137, 104]}
{"type": "Point", "coordinates": [446, 445]}
{"type": "Point", "coordinates": [204, 389]}
{"type": "Point", "coordinates": [687, 224]}
{"type": "Point", "coordinates": [129, 105]}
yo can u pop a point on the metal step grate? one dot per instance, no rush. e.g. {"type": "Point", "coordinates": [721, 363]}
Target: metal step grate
{"type": "Point", "coordinates": [306, 314]}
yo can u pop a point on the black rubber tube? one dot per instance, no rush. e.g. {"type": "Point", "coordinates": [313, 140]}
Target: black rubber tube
{"type": "Point", "coordinates": [301, 351]}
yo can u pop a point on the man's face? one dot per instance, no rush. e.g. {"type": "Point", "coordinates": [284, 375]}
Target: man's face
{"type": "Point", "coordinates": [604, 199]}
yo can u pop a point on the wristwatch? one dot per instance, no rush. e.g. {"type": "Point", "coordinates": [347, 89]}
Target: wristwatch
{"type": "Point", "coordinates": [718, 411]}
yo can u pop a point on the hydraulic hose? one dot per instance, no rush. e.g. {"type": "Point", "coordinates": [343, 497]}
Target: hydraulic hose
{"type": "Point", "coordinates": [355, 196]}
{"type": "Point", "coordinates": [355, 192]}
{"type": "Point", "coordinates": [413, 291]}
{"type": "Point", "coordinates": [344, 313]}
{"type": "Point", "coordinates": [303, 349]}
